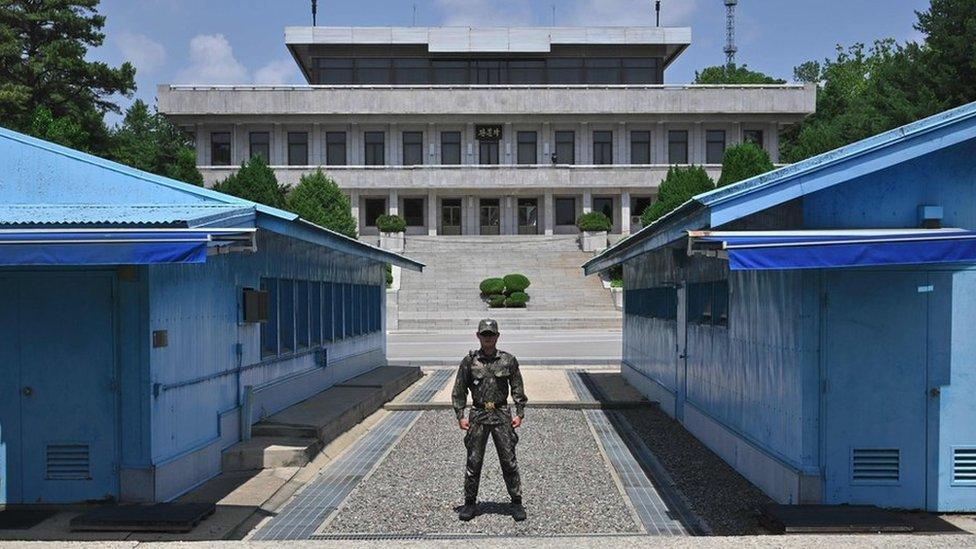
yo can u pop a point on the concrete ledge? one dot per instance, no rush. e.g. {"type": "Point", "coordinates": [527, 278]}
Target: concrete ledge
{"type": "Point", "coordinates": [269, 452]}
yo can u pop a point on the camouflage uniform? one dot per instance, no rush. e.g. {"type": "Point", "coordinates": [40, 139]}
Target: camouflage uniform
{"type": "Point", "coordinates": [489, 379]}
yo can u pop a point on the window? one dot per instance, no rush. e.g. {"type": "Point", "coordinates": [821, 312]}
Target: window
{"type": "Point", "coordinates": [375, 143]}
{"type": "Point", "coordinates": [413, 212]}
{"type": "Point", "coordinates": [260, 145]}
{"type": "Point", "coordinates": [301, 314]}
{"type": "Point", "coordinates": [488, 152]}
{"type": "Point", "coordinates": [640, 147]}
{"type": "Point", "coordinates": [413, 148]}
{"type": "Point", "coordinates": [660, 302]}
{"type": "Point", "coordinates": [604, 204]}
{"type": "Point", "coordinates": [328, 314]}
{"type": "Point", "coordinates": [714, 146]}
{"type": "Point", "coordinates": [297, 148]}
{"type": "Point", "coordinates": [411, 71]}
{"type": "Point", "coordinates": [638, 204]}
{"type": "Point", "coordinates": [641, 71]}
{"type": "Point", "coordinates": [375, 207]}
{"type": "Point", "coordinates": [527, 71]}
{"type": "Point", "coordinates": [678, 147]}
{"type": "Point", "coordinates": [447, 72]}
{"type": "Point", "coordinates": [602, 71]}
{"type": "Point", "coordinates": [220, 149]}
{"type": "Point", "coordinates": [286, 318]}
{"type": "Point", "coordinates": [486, 72]}
{"type": "Point", "coordinates": [566, 211]}
{"type": "Point", "coordinates": [753, 136]}
{"type": "Point", "coordinates": [603, 147]}
{"type": "Point", "coordinates": [269, 329]}
{"type": "Point", "coordinates": [451, 148]}
{"type": "Point", "coordinates": [335, 148]}
{"type": "Point", "coordinates": [335, 71]}
{"type": "Point", "coordinates": [565, 71]}
{"type": "Point", "coordinates": [350, 315]}
{"type": "Point", "coordinates": [708, 303]}
{"type": "Point", "coordinates": [373, 71]}
{"type": "Point", "coordinates": [527, 150]}
{"type": "Point", "coordinates": [338, 313]}
{"type": "Point", "coordinates": [565, 147]}
{"type": "Point", "coordinates": [363, 309]}
{"type": "Point", "coordinates": [315, 313]}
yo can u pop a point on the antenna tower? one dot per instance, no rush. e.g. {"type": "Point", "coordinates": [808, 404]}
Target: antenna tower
{"type": "Point", "coordinates": [730, 48]}
{"type": "Point", "coordinates": [315, 11]}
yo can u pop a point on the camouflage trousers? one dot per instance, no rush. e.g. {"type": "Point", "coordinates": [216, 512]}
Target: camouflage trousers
{"type": "Point", "coordinates": [504, 437]}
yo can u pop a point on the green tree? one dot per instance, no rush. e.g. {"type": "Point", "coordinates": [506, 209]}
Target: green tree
{"type": "Point", "coordinates": [733, 74]}
{"type": "Point", "coordinates": [949, 52]}
{"type": "Point", "coordinates": [63, 130]}
{"type": "Point", "coordinates": [318, 199]}
{"type": "Point", "coordinates": [147, 141]}
{"type": "Point", "coordinates": [743, 161]}
{"type": "Point", "coordinates": [256, 182]}
{"type": "Point", "coordinates": [43, 44]}
{"type": "Point", "coordinates": [678, 187]}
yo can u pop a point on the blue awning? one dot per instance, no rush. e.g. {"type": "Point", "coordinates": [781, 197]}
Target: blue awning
{"type": "Point", "coordinates": [115, 246]}
{"type": "Point", "coordinates": [764, 250]}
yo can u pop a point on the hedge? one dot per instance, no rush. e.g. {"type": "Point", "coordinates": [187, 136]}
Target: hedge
{"type": "Point", "coordinates": [491, 286]}
{"type": "Point", "coordinates": [496, 300]}
{"type": "Point", "coordinates": [516, 283]}
{"type": "Point", "coordinates": [594, 222]}
{"type": "Point", "coordinates": [391, 224]}
{"type": "Point", "coordinates": [517, 299]}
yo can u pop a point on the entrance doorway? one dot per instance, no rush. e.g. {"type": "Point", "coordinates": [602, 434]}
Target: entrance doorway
{"type": "Point", "coordinates": [528, 216]}
{"type": "Point", "coordinates": [490, 215]}
{"type": "Point", "coordinates": [451, 216]}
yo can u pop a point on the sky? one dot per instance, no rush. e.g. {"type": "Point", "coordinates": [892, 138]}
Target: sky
{"type": "Point", "coordinates": [242, 41]}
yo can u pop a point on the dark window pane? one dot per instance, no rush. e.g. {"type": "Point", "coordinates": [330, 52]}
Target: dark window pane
{"type": "Point", "coordinates": [315, 313]}
{"type": "Point", "coordinates": [260, 145]}
{"type": "Point", "coordinates": [220, 148]}
{"type": "Point", "coordinates": [450, 72]}
{"type": "Point", "coordinates": [565, 211]}
{"type": "Point", "coordinates": [335, 71]}
{"type": "Point", "coordinates": [375, 207]}
{"type": "Point", "coordinates": [375, 148]}
{"type": "Point", "coordinates": [301, 313]}
{"type": "Point", "coordinates": [413, 148]}
{"type": "Point", "coordinates": [450, 148]}
{"type": "Point", "coordinates": [527, 150]}
{"type": "Point", "coordinates": [413, 211]}
{"type": "Point", "coordinates": [714, 146]}
{"type": "Point", "coordinates": [527, 71]}
{"type": "Point", "coordinates": [677, 147]}
{"type": "Point", "coordinates": [638, 204]}
{"type": "Point", "coordinates": [602, 71]}
{"type": "Point", "coordinates": [603, 147]}
{"type": "Point", "coordinates": [604, 204]}
{"type": "Point", "coordinates": [753, 136]}
{"type": "Point", "coordinates": [486, 72]}
{"type": "Point", "coordinates": [641, 71]}
{"type": "Point", "coordinates": [373, 71]}
{"type": "Point", "coordinates": [297, 149]}
{"type": "Point", "coordinates": [335, 148]}
{"type": "Point", "coordinates": [488, 152]}
{"type": "Point", "coordinates": [286, 320]}
{"type": "Point", "coordinates": [565, 71]}
{"type": "Point", "coordinates": [640, 147]}
{"type": "Point", "coordinates": [411, 71]}
{"type": "Point", "coordinates": [565, 147]}
{"type": "Point", "coordinates": [269, 329]}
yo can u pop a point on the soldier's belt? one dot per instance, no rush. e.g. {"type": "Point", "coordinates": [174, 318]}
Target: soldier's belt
{"type": "Point", "coordinates": [491, 405]}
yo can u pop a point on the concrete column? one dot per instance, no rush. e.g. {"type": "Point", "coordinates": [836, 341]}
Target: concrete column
{"type": "Point", "coordinates": [354, 146]}
{"type": "Point", "coordinates": [433, 145]}
{"type": "Point", "coordinates": [546, 138]}
{"type": "Point", "coordinates": [771, 142]}
{"type": "Point", "coordinates": [278, 145]}
{"type": "Point", "coordinates": [549, 213]}
{"type": "Point", "coordinates": [587, 201]}
{"type": "Point", "coordinates": [697, 154]}
{"type": "Point", "coordinates": [508, 137]}
{"type": "Point", "coordinates": [236, 149]}
{"type": "Point", "coordinates": [470, 142]}
{"type": "Point", "coordinates": [201, 142]}
{"type": "Point", "coordinates": [354, 203]}
{"type": "Point", "coordinates": [316, 146]}
{"type": "Point", "coordinates": [659, 144]}
{"type": "Point", "coordinates": [431, 213]}
{"type": "Point", "coordinates": [393, 204]}
{"type": "Point", "coordinates": [393, 150]}
{"type": "Point", "coordinates": [584, 153]}
{"type": "Point", "coordinates": [474, 220]}
{"type": "Point", "coordinates": [736, 136]}
{"type": "Point", "coordinates": [625, 212]}
{"type": "Point", "coordinates": [511, 216]}
{"type": "Point", "coordinates": [621, 154]}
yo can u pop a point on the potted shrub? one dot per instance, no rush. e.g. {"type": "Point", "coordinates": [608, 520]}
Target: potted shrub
{"type": "Point", "coordinates": [492, 286]}
{"type": "Point", "coordinates": [391, 232]}
{"type": "Point", "coordinates": [496, 300]}
{"type": "Point", "coordinates": [516, 282]}
{"type": "Point", "coordinates": [593, 227]}
{"type": "Point", "coordinates": [516, 300]}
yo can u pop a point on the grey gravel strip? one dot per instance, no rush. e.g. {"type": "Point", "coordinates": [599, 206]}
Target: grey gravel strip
{"type": "Point", "coordinates": [302, 516]}
{"type": "Point", "coordinates": [431, 386]}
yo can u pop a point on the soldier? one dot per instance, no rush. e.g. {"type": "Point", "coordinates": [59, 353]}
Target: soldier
{"type": "Point", "coordinates": [489, 374]}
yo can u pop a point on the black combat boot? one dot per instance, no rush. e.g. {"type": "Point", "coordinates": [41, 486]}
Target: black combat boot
{"type": "Point", "coordinates": [468, 511]}
{"type": "Point", "coordinates": [518, 512]}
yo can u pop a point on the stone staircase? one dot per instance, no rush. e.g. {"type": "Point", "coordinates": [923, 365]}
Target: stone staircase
{"type": "Point", "coordinates": [446, 296]}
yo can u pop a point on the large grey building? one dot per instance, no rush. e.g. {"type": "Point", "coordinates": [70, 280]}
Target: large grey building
{"type": "Point", "coordinates": [484, 130]}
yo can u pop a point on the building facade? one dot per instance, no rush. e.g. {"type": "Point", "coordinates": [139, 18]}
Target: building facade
{"type": "Point", "coordinates": [483, 130]}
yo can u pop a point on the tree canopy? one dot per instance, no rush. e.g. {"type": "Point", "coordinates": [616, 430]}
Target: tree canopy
{"type": "Point", "coordinates": [318, 199]}
{"type": "Point", "coordinates": [678, 187]}
{"type": "Point", "coordinates": [743, 161]}
{"type": "Point", "coordinates": [147, 141]}
{"type": "Point", "coordinates": [256, 182]}
{"type": "Point", "coordinates": [733, 74]}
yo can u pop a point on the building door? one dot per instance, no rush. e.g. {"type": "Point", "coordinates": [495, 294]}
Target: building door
{"type": "Point", "coordinates": [451, 216]}
{"type": "Point", "coordinates": [681, 354]}
{"type": "Point", "coordinates": [528, 216]}
{"type": "Point", "coordinates": [64, 385]}
{"type": "Point", "coordinates": [874, 392]}
{"type": "Point", "coordinates": [490, 215]}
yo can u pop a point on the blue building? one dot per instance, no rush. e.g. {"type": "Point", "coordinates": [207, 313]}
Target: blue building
{"type": "Point", "coordinates": [814, 326]}
{"type": "Point", "coordinates": [131, 320]}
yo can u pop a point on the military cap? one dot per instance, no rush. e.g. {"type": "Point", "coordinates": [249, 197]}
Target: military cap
{"type": "Point", "coordinates": [488, 325]}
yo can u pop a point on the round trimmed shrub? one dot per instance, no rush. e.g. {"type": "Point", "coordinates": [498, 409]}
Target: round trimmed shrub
{"type": "Point", "coordinates": [391, 224]}
{"type": "Point", "coordinates": [496, 300]}
{"type": "Point", "coordinates": [517, 299]}
{"type": "Point", "coordinates": [491, 286]}
{"type": "Point", "coordinates": [594, 222]}
{"type": "Point", "coordinates": [516, 282]}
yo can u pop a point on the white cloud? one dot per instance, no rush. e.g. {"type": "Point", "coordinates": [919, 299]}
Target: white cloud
{"type": "Point", "coordinates": [146, 54]}
{"type": "Point", "coordinates": [627, 13]}
{"type": "Point", "coordinates": [279, 71]}
{"type": "Point", "coordinates": [485, 13]}
{"type": "Point", "coordinates": [212, 61]}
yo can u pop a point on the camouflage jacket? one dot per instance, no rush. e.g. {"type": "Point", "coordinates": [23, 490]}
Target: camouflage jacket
{"type": "Point", "coordinates": [489, 378]}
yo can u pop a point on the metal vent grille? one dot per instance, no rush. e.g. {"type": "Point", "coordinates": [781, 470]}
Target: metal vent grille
{"type": "Point", "coordinates": [68, 462]}
{"type": "Point", "coordinates": [964, 465]}
{"type": "Point", "coordinates": [875, 465]}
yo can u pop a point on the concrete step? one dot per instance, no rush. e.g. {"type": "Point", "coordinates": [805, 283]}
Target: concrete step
{"type": "Point", "coordinates": [269, 453]}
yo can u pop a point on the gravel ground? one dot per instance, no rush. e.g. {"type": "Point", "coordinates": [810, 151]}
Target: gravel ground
{"type": "Point", "coordinates": [419, 487]}
{"type": "Point", "coordinates": [723, 498]}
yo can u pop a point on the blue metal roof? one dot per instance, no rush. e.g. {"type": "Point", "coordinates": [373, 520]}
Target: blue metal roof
{"type": "Point", "coordinates": [42, 183]}
{"type": "Point", "coordinates": [720, 206]}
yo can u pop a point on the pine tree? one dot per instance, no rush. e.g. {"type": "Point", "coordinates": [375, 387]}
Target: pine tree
{"type": "Point", "coordinates": [146, 140]}
{"type": "Point", "coordinates": [318, 199]}
{"type": "Point", "coordinates": [678, 187]}
{"type": "Point", "coordinates": [256, 182]}
{"type": "Point", "coordinates": [743, 161]}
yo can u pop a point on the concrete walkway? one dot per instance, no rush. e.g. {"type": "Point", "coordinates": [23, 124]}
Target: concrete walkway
{"type": "Point", "coordinates": [567, 347]}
